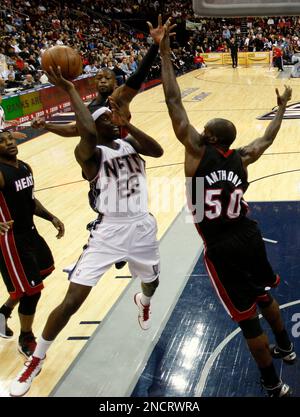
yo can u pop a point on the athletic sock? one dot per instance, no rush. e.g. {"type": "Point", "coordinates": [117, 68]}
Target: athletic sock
{"type": "Point", "coordinates": [145, 300]}
{"type": "Point", "coordinates": [42, 347]}
{"type": "Point", "coordinates": [269, 376]}
{"type": "Point", "coordinates": [283, 340]}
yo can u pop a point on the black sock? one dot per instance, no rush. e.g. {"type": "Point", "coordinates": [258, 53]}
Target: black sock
{"type": "Point", "coordinates": [283, 340]}
{"type": "Point", "coordinates": [269, 376]}
{"type": "Point", "coordinates": [23, 334]}
{"type": "Point", "coordinates": [6, 311]}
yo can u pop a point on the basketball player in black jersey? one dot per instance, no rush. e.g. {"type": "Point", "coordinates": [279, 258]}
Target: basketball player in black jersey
{"type": "Point", "coordinates": [235, 254]}
{"type": "Point", "coordinates": [25, 258]}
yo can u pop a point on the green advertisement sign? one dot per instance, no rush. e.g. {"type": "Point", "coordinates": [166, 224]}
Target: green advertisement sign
{"type": "Point", "coordinates": [12, 107]}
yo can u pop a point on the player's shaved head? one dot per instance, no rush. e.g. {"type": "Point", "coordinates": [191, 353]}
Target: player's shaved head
{"type": "Point", "coordinates": [223, 130]}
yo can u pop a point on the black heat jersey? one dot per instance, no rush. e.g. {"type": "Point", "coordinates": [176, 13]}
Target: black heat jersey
{"type": "Point", "coordinates": [16, 198]}
{"type": "Point", "coordinates": [96, 104]}
{"type": "Point", "coordinates": [25, 258]}
{"type": "Point", "coordinates": [225, 182]}
{"type": "Point", "coordinates": [234, 253]}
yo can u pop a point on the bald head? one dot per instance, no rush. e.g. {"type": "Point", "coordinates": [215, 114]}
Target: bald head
{"type": "Point", "coordinates": [222, 130]}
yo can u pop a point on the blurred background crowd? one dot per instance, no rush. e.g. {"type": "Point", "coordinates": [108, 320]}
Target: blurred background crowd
{"type": "Point", "coordinates": [114, 34]}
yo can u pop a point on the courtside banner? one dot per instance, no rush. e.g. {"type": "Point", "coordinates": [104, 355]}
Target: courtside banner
{"type": "Point", "coordinates": [227, 60]}
{"type": "Point", "coordinates": [213, 58]}
{"type": "Point", "coordinates": [244, 58]}
{"type": "Point", "coordinates": [12, 107]}
{"type": "Point", "coordinates": [31, 102]}
{"type": "Point", "coordinates": [87, 88]}
{"type": "Point", "coordinates": [255, 58]}
{"type": "Point", "coordinates": [26, 105]}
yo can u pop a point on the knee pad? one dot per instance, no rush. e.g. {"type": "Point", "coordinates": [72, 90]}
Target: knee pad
{"type": "Point", "coordinates": [28, 303]}
{"type": "Point", "coordinates": [264, 301]}
{"type": "Point", "coordinates": [251, 328]}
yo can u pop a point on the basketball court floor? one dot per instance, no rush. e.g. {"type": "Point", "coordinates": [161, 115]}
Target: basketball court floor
{"type": "Point", "coordinates": [193, 348]}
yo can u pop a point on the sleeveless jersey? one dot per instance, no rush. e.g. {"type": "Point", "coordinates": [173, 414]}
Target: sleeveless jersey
{"type": "Point", "coordinates": [225, 181]}
{"type": "Point", "coordinates": [95, 104]}
{"type": "Point", "coordinates": [120, 188]}
{"type": "Point", "coordinates": [16, 198]}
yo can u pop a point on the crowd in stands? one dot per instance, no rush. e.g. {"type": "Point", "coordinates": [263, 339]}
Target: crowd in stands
{"type": "Point", "coordinates": [99, 30]}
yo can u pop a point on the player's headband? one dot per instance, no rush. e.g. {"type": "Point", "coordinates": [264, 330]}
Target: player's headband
{"type": "Point", "coordinates": [97, 113]}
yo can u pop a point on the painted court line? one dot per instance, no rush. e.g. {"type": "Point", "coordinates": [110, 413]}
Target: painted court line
{"type": "Point", "coordinates": [204, 374]}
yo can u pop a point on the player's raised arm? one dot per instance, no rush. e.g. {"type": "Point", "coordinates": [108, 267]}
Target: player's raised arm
{"type": "Point", "coordinates": [255, 149]}
{"type": "Point", "coordinates": [184, 131]}
{"type": "Point", "coordinates": [86, 148]}
{"type": "Point", "coordinates": [68, 130]}
{"type": "Point", "coordinates": [142, 143]}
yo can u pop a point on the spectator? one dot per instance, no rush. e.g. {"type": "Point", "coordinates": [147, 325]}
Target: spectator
{"type": "Point", "coordinates": [12, 83]}
{"type": "Point", "coordinates": [124, 66]}
{"type": "Point", "coordinates": [6, 72]}
{"type": "Point", "coordinates": [120, 74]}
{"type": "Point", "coordinates": [132, 64]}
{"type": "Point", "coordinates": [2, 86]}
{"type": "Point", "coordinates": [277, 60]}
{"type": "Point", "coordinates": [199, 61]}
{"type": "Point", "coordinates": [29, 82]}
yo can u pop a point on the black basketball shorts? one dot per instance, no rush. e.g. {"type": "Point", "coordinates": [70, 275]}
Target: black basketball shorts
{"type": "Point", "coordinates": [25, 260]}
{"type": "Point", "coordinates": [240, 272]}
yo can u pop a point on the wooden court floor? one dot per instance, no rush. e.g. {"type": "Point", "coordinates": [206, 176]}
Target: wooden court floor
{"type": "Point", "coordinates": [240, 95]}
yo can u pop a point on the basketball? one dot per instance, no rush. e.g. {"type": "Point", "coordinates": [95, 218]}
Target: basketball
{"type": "Point", "coordinates": [66, 58]}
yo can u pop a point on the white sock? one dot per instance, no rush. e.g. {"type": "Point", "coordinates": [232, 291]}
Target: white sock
{"type": "Point", "coordinates": [41, 348]}
{"type": "Point", "coordinates": [145, 300]}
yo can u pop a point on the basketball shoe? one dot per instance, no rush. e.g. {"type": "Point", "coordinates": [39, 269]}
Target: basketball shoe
{"type": "Point", "coordinates": [27, 344]}
{"type": "Point", "coordinates": [288, 356]}
{"type": "Point", "coordinates": [279, 390]}
{"type": "Point", "coordinates": [23, 381]}
{"type": "Point", "coordinates": [144, 312]}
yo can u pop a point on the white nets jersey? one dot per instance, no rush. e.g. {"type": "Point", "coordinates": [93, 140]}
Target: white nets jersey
{"type": "Point", "coordinates": [120, 188]}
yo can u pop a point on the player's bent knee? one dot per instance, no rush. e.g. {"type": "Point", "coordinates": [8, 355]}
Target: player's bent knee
{"type": "Point", "coordinates": [28, 303]}
{"type": "Point", "coordinates": [251, 328]}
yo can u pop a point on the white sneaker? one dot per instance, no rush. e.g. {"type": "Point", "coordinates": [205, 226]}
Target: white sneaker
{"type": "Point", "coordinates": [22, 383]}
{"type": "Point", "coordinates": [144, 312]}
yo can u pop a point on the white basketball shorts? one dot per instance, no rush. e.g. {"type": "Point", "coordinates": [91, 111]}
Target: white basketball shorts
{"type": "Point", "coordinates": [114, 240]}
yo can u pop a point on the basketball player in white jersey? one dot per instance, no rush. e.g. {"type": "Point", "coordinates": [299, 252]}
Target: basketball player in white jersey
{"type": "Point", "coordinates": [124, 229]}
